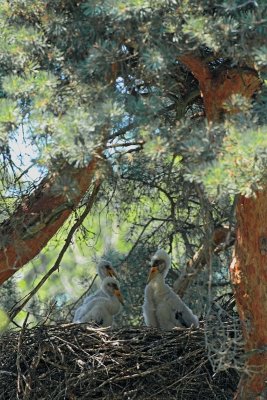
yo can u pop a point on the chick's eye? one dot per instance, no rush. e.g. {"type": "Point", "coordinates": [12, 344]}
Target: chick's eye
{"type": "Point", "coordinates": [114, 286]}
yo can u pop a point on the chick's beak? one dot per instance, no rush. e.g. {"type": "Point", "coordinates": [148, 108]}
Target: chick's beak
{"type": "Point", "coordinates": [118, 294]}
{"type": "Point", "coordinates": [152, 273]}
{"type": "Point", "coordinates": [112, 273]}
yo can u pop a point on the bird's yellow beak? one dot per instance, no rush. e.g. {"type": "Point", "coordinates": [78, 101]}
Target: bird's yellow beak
{"type": "Point", "coordinates": [152, 273]}
{"type": "Point", "coordinates": [118, 294]}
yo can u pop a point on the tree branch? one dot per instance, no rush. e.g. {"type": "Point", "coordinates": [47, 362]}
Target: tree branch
{"type": "Point", "coordinates": [41, 214]}
{"type": "Point", "coordinates": [217, 87]}
{"type": "Point", "coordinates": [13, 312]}
{"type": "Point", "coordinates": [222, 239]}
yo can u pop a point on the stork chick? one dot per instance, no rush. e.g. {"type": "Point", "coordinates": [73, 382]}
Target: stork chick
{"type": "Point", "coordinates": [101, 310]}
{"type": "Point", "coordinates": [163, 308]}
{"type": "Point", "coordinates": [104, 269]}
{"type": "Point", "coordinates": [161, 260]}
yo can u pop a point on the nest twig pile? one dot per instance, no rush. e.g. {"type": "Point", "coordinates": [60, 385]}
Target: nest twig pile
{"type": "Point", "coordinates": [82, 362]}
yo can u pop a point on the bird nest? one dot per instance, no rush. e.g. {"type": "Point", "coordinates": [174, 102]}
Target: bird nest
{"type": "Point", "coordinates": [78, 361]}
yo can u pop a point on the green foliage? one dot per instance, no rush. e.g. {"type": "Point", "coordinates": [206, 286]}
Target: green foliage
{"type": "Point", "coordinates": [38, 86]}
{"type": "Point", "coordinates": [9, 295]}
{"type": "Point", "coordinates": [3, 321]}
{"type": "Point", "coordinates": [198, 28]}
{"type": "Point", "coordinates": [9, 112]}
{"type": "Point", "coordinates": [246, 150]}
{"type": "Point", "coordinates": [79, 76]}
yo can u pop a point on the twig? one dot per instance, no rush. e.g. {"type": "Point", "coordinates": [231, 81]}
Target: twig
{"type": "Point", "coordinates": [32, 368]}
{"type": "Point", "coordinates": [77, 361]}
{"type": "Point", "coordinates": [19, 383]}
{"type": "Point", "coordinates": [55, 267]}
{"type": "Point", "coordinates": [118, 144]}
{"type": "Point", "coordinates": [82, 296]}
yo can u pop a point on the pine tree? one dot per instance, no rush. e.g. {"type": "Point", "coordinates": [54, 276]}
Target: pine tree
{"type": "Point", "coordinates": [166, 100]}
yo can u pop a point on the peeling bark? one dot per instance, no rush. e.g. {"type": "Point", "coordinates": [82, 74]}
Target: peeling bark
{"type": "Point", "coordinates": [249, 265]}
{"type": "Point", "coordinates": [39, 217]}
{"type": "Point", "coordinates": [249, 277]}
{"type": "Point", "coordinates": [217, 88]}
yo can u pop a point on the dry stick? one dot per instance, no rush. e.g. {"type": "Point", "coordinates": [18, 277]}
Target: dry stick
{"type": "Point", "coordinates": [55, 267]}
{"type": "Point", "coordinates": [82, 296]}
{"type": "Point", "coordinates": [198, 262]}
{"type": "Point", "coordinates": [143, 363]}
{"type": "Point", "coordinates": [34, 364]}
{"type": "Point", "coordinates": [51, 308]}
{"type": "Point", "coordinates": [19, 384]}
{"type": "Point", "coordinates": [140, 236]}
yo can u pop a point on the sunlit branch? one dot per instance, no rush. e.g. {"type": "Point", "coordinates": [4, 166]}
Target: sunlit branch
{"type": "Point", "coordinates": [15, 310]}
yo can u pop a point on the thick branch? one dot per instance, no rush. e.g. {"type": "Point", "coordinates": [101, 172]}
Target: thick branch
{"type": "Point", "coordinates": [218, 86]}
{"type": "Point", "coordinates": [65, 247]}
{"type": "Point", "coordinates": [222, 238]}
{"type": "Point", "coordinates": [40, 215]}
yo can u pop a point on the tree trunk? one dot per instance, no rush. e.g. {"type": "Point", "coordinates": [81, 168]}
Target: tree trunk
{"type": "Point", "coordinates": [40, 215]}
{"type": "Point", "coordinates": [217, 88]}
{"type": "Point", "coordinates": [249, 266]}
{"type": "Point", "coordinates": [249, 277]}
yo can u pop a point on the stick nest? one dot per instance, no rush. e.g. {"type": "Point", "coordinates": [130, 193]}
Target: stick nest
{"type": "Point", "coordinates": [82, 362]}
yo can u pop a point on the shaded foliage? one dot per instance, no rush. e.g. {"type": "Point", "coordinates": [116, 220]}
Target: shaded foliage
{"type": "Point", "coordinates": [80, 79]}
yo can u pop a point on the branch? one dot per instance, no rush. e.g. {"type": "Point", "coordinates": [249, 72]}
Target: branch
{"type": "Point", "coordinates": [40, 215]}
{"type": "Point", "coordinates": [74, 304]}
{"type": "Point", "coordinates": [13, 312]}
{"type": "Point", "coordinates": [218, 86]}
{"type": "Point", "coordinates": [197, 66]}
{"type": "Point", "coordinates": [19, 372]}
{"type": "Point", "coordinates": [118, 144]}
{"type": "Point", "coordinates": [222, 239]}
{"type": "Point", "coordinates": [123, 130]}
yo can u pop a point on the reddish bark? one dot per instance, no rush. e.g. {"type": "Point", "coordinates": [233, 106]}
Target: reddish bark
{"type": "Point", "coordinates": [40, 216]}
{"type": "Point", "coordinates": [249, 277]}
{"type": "Point", "coordinates": [249, 265]}
{"type": "Point", "coordinates": [217, 88]}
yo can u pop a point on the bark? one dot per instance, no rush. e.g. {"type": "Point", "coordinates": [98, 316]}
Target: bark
{"type": "Point", "coordinates": [222, 238]}
{"type": "Point", "coordinates": [40, 215]}
{"type": "Point", "coordinates": [249, 277]}
{"type": "Point", "coordinates": [78, 221]}
{"type": "Point", "coordinates": [217, 88]}
{"type": "Point", "coordinates": [248, 268]}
